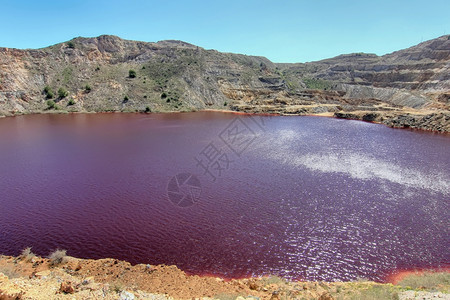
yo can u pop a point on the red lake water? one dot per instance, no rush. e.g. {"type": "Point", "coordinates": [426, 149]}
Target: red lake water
{"type": "Point", "coordinates": [230, 195]}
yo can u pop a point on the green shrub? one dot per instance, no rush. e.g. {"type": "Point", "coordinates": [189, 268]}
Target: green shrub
{"type": "Point", "coordinates": [71, 44]}
{"type": "Point", "coordinates": [48, 92]}
{"type": "Point", "coordinates": [62, 93]}
{"type": "Point", "coordinates": [147, 109]}
{"type": "Point", "coordinates": [87, 88]}
{"type": "Point", "coordinates": [51, 104]}
{"type": "Point", "coordinates": [71, 102]}
{"type": "Point", "coordinates": [126, 98]}
{"type": "Point", "coordinates": [132, 73]}
{"type": "Point", "coordinates": [225, 103]}
{"type": "Point", "coordinates": [163, 96]}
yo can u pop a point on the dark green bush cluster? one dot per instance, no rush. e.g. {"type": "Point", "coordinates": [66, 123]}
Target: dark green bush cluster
{"type": "Point", "coordinates": [87, 88]}
{"type": "Point", "coordinates": [132, 73]}
{"type": "Point", "coordinates": [51, 104]}
{"type": "Point", "coordinates": [62, 93]}
{"type": "Point", "coordinates": [71, 102]}
{"type": "Point", "coordinates": [48, 92]}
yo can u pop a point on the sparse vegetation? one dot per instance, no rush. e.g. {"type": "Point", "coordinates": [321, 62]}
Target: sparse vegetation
{"type": "Point", "coordinates": [147, 109]}
{"type": "Point", "coordinates": [117, 287]}
{"type": "Point", "coordinates": [67, 75]}
{"type": "Point", "coordinates": [48, 92]}
{"type": "Point", "coordinates": [316, 84]}
{"type": "Point", "coordinates": [71, 44]}
{"type": "Point", "coordinates": [125, 99]}
{"type": "Point", "coordinates": [9, 272]}
{"type": "Point", "coordinates": [87, 88]}
{"type": "Point", "coordinates": [225, 103]}
{"type": "Point", "coordinates": [163, 96]}
{"type": "Point", "coordinates": [427, 281]}
{"type": "Point", "coordinates": [57, 257]}
{"type": "Point", "coordinates": [132, 73]}
{"type": "Point", "coordinates": [51, 104]}
{"type": "Point", "coordinates": [27, 255]}
{"type": "Point", "coordinates": [371, 293]}
{"type": "Point", "coordinates": [62, 93]}
{"type": "Point", "coordinates": [71, 102]}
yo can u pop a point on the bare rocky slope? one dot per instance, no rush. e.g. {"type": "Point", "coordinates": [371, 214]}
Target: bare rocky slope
{"type": "Point", "coordinates": [32, 277]}
{"type": "Point", "coordinates": [407, 88]}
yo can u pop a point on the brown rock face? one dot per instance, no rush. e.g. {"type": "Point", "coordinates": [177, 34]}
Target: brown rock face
{"type": "Point", "coordinates": [177, 76]}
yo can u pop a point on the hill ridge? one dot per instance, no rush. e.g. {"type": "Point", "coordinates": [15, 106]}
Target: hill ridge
{"type": "Point", "coordinates": [173, 75]}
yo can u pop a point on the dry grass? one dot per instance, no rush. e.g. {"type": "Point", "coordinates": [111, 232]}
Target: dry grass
{"type": "Point", "coordinates": [371, 293]}
{"type": "Point", "coordinates": [431, 281]}
{"type": "Point", "coordinates": [9, 272]}
{"type": "Point", "coordinates": [27, 255]}
{"type": "Point", "coordinates": [57, 257]}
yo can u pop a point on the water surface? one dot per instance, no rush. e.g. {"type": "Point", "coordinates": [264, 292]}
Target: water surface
{"type": "Point", "coordinates": [302, 197]}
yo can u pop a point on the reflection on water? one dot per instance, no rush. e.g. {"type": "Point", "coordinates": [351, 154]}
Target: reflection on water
{"type": "Point", "coordinates": [303, 197]}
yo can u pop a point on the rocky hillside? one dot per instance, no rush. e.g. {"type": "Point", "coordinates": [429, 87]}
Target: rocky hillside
{"type": "Point", "coordinates": [408, 88]}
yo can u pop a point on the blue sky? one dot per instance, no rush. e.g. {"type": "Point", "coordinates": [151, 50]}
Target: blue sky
{"type": "Point", "coordinates": [283, 31]}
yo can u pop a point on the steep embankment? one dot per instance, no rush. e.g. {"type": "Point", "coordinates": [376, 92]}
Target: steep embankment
{"type": "Point", "coordinates": [408, 88]}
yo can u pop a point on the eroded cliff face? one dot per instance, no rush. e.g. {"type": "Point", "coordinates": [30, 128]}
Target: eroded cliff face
{"type": "Point", "coordinates": [177, 76]}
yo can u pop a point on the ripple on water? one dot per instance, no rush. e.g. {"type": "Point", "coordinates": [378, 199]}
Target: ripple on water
{"type": "Point", "coordinates": [310, 198]}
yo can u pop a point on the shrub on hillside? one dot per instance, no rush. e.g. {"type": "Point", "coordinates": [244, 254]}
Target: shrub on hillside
{"type": "Point", "coordinates": [51, 104]}
{"type": "Point", "coordinates": [132, 73]}
{"type": "Point", "coordinates": [48, 92]}
{"type": "Point", "coordinates": [62, 93]}
{"type": "Point", "coordinates": [57, 257]}
{"type": "Point", "coordinates": [27, 255]}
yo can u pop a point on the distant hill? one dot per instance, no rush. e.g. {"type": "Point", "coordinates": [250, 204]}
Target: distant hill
{"type": "Point", "coordinates": [93, 74]}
